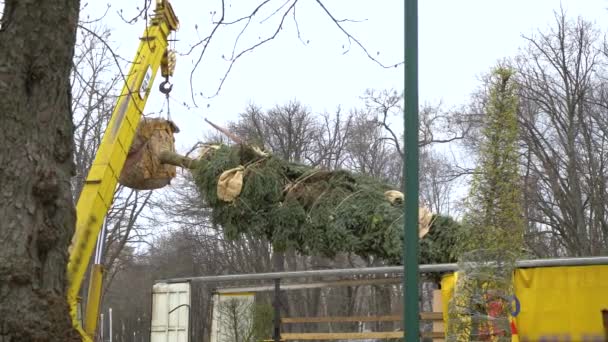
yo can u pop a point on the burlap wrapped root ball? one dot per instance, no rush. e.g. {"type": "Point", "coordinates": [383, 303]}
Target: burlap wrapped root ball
{"type": "Point", "coordinates": [143, 169]}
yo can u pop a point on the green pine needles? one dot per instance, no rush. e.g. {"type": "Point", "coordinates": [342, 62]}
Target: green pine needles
{"type": "Point", "coordinates": [315, 212]}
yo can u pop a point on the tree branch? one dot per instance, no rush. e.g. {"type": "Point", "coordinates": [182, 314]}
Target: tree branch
{"type": "Point", "coordinates": [352, 38]}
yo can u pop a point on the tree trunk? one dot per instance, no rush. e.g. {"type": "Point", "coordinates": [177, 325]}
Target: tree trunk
{"type": "Point", "coordinates": [172, 158]}
{"type": "Point", "coordinates": [37, 213]}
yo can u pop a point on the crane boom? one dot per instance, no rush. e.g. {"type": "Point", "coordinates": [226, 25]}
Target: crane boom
{"type": "Point", "coordinates": [98, 191]}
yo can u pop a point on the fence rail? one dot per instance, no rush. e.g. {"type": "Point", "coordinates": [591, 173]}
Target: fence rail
{"type": "Point", "coordinates": [428, 316]}
{"type": "Point", "coordinates": [434, 268]}
{"type": "Point", "coordinates": [351, 336]}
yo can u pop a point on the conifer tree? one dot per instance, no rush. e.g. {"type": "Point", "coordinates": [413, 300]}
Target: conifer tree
{"type": "Point", "coordinates": [479, 310]}
{"type": "Point", "coordinates": [495, 213]}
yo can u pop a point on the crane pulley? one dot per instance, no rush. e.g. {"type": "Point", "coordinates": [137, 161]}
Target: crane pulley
{"type": "Point", "coordinates": [167, 67]}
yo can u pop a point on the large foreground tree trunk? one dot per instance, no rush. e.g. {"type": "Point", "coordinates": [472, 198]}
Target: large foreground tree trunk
{"type": "Point", "coordinates": [37, 213]}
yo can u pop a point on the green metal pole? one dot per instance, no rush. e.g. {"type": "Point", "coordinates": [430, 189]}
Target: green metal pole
{"type": "Point", "coordinates": [411, 320]}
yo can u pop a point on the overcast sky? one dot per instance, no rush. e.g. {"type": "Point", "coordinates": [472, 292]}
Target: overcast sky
{"type": "Point", "coordinates": [458, 40]}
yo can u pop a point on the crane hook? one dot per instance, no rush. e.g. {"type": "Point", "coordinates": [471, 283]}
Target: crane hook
{"type": "Point", "coordinates": [165, 87]}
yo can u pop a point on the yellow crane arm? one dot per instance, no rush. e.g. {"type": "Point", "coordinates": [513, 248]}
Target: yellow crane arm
{"type": "Point", "coordinates": [98, 191]}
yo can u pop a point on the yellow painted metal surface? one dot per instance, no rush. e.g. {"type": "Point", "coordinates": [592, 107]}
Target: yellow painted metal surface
{"type": "Point", "coordinates": [555, 303]}
{"type": "Point", "coordinates": [90, 324]}
{"type": "Point", "coordinates": [98, 192]}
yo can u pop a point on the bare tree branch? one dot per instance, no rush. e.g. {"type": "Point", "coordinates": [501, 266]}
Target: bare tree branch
{"type": "Point", "coordinates": [286, 8]}
{"type": "Point", "coordinates": [205, 43]}
{"type": "Point", "coordinates": [116, 58]}
{"type": "Point", "coordinates": [143, 12]}
{"type": "Point", "coordinates": [96, 20]}
{"type": "Point", "coordinates": [251, 48]}
{"type": "Point", "coordinates": [352, 38]}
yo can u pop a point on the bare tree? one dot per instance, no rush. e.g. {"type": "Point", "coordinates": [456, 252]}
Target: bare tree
{"type": "Point", "coordinates": [437, 127]}
{"type": "Point", "coordinates": [436, 182]}
{"type": "Point", "coordinates": [332, 141]}
{"type": "Point", "coordinates": [563, 127]}
{"type": "Point", "coordinates": [370, 152]}
{"type": "Point", "coordinates": [289, 130]}
{"type": "Point", "coordinates": [94, 81]}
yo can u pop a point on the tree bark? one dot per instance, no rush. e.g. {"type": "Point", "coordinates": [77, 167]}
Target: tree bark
{"type": "Point", "coordinates": [172, 158]}
{"type": "Point", "coordinates": [37, 214]}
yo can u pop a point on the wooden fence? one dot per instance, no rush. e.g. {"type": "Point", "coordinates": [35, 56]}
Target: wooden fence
{"type": "Point", "coordinates": [436, 317]}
